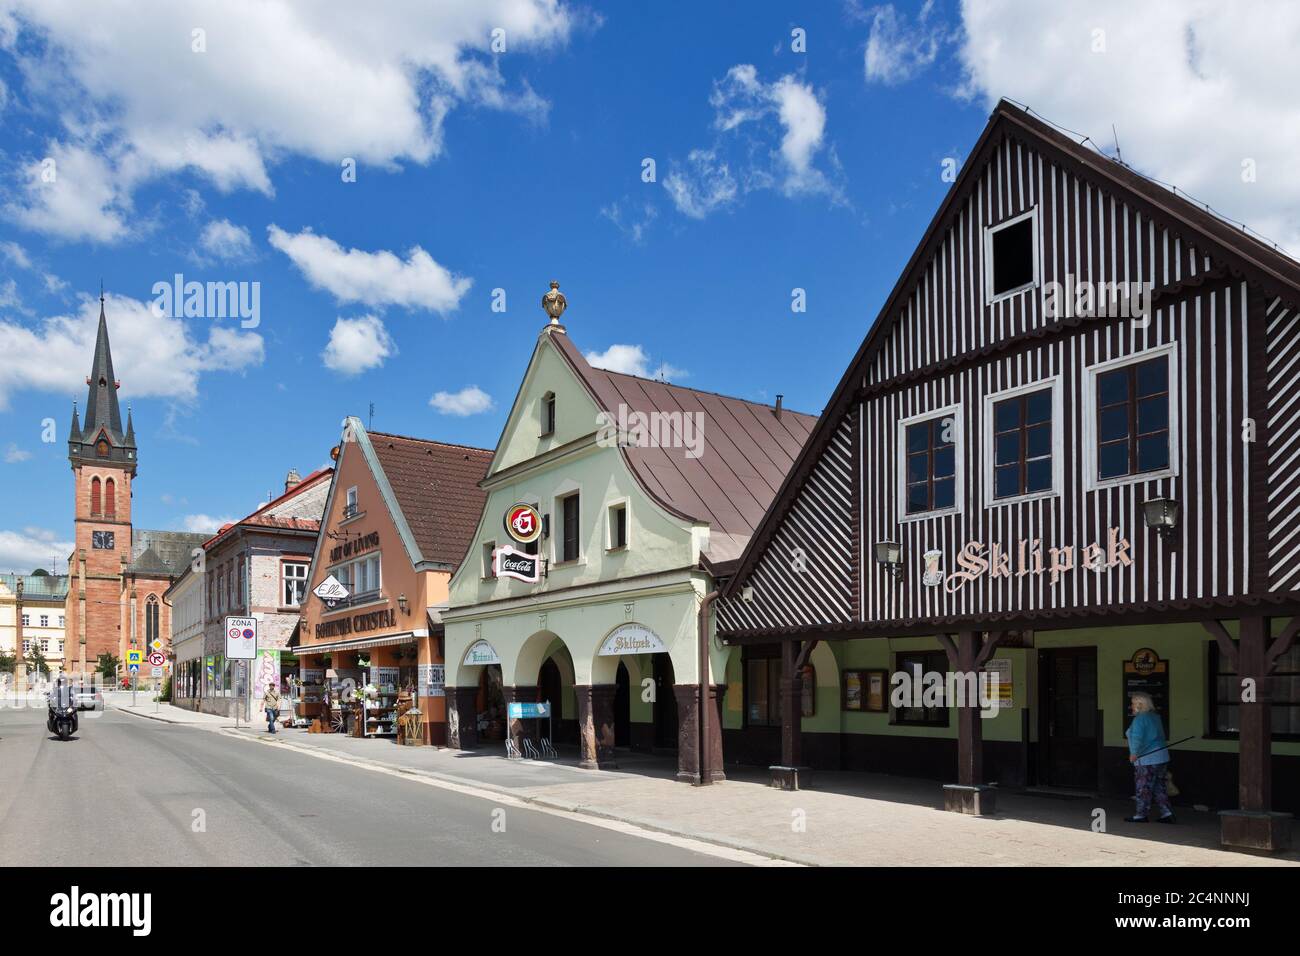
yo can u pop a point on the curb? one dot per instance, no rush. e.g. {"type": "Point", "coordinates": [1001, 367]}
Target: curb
{"type": "Point", "coordinates": [548, 803]}
{"type": "Point", "coordinates": [167, 720]}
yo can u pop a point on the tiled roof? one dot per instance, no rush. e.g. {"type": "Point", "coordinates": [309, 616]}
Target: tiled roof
{"type": "Point", "coordinates": [436, 486]}
{"type": "Point", "coordinates": [266, 517]}
{"type": "Point", "coordinates": [745, 451]}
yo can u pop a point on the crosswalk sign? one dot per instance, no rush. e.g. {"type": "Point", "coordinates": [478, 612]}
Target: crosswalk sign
{"type": "Point", "coordinates": [134, 658]}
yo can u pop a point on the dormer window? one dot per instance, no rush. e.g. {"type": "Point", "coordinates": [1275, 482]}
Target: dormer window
{"type": "Point", "coordinates": [548, 414]}
{"type": "Point", "coordinates": [1011, 256]}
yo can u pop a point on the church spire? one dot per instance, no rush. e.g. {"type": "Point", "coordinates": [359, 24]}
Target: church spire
{"type": "Point", "coordinates": [102, 409]}
{"type": "Point", "coordinates": [102, 437]}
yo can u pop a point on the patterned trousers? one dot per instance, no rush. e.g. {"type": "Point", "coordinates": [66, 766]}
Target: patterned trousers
{"type": "Point", "coordinates": [1151, 786]}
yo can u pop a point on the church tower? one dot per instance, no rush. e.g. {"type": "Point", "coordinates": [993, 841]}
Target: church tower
{"type": "Point", "coordinates": [103, 459]}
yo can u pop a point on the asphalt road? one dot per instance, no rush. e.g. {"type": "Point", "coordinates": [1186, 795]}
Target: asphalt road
{"type": "Point", "coordinates": [130, 791]}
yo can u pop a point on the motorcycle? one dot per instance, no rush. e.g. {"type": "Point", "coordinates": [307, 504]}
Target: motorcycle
{"type": "Point", "coordinates": [62, 721]}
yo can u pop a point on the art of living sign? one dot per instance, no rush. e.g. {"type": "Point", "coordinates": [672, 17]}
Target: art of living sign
{"type": "Point", "coordinates": [977, 559]}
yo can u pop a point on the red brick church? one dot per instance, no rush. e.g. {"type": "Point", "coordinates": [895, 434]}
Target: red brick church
{"type": "Point", "coordinates": [117, 573]}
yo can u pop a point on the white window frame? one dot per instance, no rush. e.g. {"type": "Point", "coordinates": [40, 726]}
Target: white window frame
{"type": "Point", "coordinates": [285, 578]}
{"type": "Point", "coordinates": [45, 620]}
{"type": "Point", "coordinates": [1090, 480]}
{"type": "Point", "coordinates": [377, 590]}
{"type": "Point", "coordinates": [351, 503]}
{"type": "Point", "coordinates": [27, 620]}
{"type": "Point", "coordinates": [1036, 241]}
{"type": "Point", "coordinates": [488, 551]}
{"type": "Point", "coordinates": [626, 505]}
{"type": "Point", "coordinates": [1058, 446]}
{"type": "Point", "coordinates": [959, 467]}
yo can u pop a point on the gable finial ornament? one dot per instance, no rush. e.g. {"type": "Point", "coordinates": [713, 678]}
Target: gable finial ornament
{"type": "Point", "coordinates": [554, 303]}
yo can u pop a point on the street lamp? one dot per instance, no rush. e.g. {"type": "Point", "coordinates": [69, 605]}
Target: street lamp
{"type": "Point", "coordinates": [890, 554]}
{"type": "Point", "coordinates": [1161, 515]}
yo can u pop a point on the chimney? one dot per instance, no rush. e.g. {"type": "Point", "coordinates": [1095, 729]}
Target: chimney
{"type": "Point", "coordinates": [291, 481]}
{"type": "Point", "coordinates": [778, 406]}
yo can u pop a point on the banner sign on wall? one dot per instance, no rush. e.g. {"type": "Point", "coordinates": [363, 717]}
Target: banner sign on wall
{"type": "Point", "coordinates": [1001, 666]}
{"type": "Point", "coordinates": [432, 680]}
{"type": "Point", "coordinates": [631, 639]}
{"type": "Point", "coordinates": [481, 652]}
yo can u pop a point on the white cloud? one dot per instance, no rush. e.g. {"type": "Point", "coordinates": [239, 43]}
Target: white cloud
{"type": "Point", "coordinates": [16, 254]}
{"type": "Point", "coordinates": [72, 193]}
{"type": "Point", "coordinates": [357, 345]}
{"type": "Point", "coordinates": [24, 551]}
{"type": "Point", "coordinates": [205, 524]}
{"type": "Point", "coordinates": [705, 185]}
{"type": "Point", "coordinates": [777, 129]}
{"type": "Point", "coordinates": [1216, 90]}
{"type": "Point", "coordinates": [633, 226]}
{"type": "Point", "coordinates": [222, 239]}
{"type": "Point", "coordinates": [897, 49]}
{"type": "Point", "coordinates": [375, 279]}
{"type": "Point", "coordinates": [14, 454]}
{"type": "Point", "coordinates": [324, 80]}
{"type": "Point", "coordinates": [470, 400]}
{"type": "Point", "coordinates": [632, 360]}
{"type": "Point", "coordinates": [153, 356]}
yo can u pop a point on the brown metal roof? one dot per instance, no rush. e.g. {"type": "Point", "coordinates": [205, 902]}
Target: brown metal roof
{"type": "Point", "coordinates": [436, 486]}
{"type": "Point", "coordinates": [745, 450]}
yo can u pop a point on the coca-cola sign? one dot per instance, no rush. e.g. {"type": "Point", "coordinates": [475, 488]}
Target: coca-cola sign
{"type": "Point", "coordinates": [509, 563]}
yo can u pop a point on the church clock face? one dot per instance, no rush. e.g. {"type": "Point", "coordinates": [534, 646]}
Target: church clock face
{"type": "Point", "coordinates": [103, 540]}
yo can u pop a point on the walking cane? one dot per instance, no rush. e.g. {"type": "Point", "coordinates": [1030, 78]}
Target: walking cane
{"type": "Point", "coordinates": [1170, 787]}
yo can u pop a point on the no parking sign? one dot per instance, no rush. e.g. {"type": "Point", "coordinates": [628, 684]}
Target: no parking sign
{"type": "Point", "coordinates": [241, 638]}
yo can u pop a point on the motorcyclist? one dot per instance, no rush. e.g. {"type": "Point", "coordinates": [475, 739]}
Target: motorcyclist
{"type": "Point", "coordinates": [62, 697]}
{"type": "Point", "coordinates": [62, 693]}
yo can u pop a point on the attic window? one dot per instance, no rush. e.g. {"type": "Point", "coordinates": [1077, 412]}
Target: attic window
{"type": "Point", "coordinates": [1011, 255]}
{"type": "Point", "coordinates": [548, 414]}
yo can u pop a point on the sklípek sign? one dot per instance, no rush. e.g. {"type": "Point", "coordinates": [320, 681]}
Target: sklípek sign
{"type": "Point", "coordinates": [631, 639]}
{"type": "Point", "coordinates": [523, 523]}
{"type": "Point", "coordinates": [977, 559]}
{"type": "Point", "coordinates": [509, 563]}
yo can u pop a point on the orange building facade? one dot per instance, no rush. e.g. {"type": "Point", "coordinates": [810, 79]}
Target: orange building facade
{"type": "Point", "coordinates": [398, 520]}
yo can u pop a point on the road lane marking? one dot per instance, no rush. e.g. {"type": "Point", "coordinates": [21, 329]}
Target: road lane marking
{"type": "Point", "coordinates": [718, 850]}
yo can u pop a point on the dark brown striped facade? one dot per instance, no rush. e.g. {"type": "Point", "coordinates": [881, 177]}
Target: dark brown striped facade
{"type": "Point", "coordinates": [1222, 318]}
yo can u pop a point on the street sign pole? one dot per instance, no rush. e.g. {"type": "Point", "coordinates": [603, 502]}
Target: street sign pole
{"type": "Point", "coordinates": [135, 683]}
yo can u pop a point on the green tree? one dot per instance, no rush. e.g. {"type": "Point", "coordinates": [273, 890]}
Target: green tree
{"type": "Point", "coordinates": [106, 664]}
{"type": "Point", "coordinates": [36, 660]}
{"type": "Point", "coordinates": [7, 663]}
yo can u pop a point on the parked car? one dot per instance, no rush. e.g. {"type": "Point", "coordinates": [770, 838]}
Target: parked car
{"type": "Point", "coordinates": [89, 698]}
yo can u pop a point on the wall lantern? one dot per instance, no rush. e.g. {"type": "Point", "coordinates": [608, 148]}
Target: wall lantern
{"type": "Point", "coordinates": [1162, 515]}
{"type": "Point", "coordinates": [403, 603]}
{"type": "Point", "coordinates": [890, 554]}
{"type": "Point", "coordinates": [747, 593]}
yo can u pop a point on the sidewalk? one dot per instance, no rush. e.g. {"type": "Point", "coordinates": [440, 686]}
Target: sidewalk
{"type": "Point", "coordinates": [851, 819]}
{"type": "Point", "coordinates": [167, 713]}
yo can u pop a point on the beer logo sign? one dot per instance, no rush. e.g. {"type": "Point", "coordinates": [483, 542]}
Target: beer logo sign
{"type": "Point", "coordinates": [523, 523]}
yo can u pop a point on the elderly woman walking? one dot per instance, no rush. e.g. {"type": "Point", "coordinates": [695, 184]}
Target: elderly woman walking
{"type": "Point", "coordinates": [1150, 758]}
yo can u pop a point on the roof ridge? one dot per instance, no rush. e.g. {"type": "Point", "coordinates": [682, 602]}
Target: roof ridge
{"type": "Point", "coordinates": [431, 441]}
{"type": "Point", "coordinates": [701, 391]}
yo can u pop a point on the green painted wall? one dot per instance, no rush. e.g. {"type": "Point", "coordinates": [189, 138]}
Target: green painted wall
{"type": "Point", "coordinates": [1185, 646]}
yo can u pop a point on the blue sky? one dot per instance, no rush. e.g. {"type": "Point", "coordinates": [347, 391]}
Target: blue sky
{"type": "Point", "coordinates": [479, 170]}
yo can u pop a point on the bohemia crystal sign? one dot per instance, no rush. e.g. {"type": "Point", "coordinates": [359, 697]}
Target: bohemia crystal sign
{"type": "Point", "coordinates": [509, 563]}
